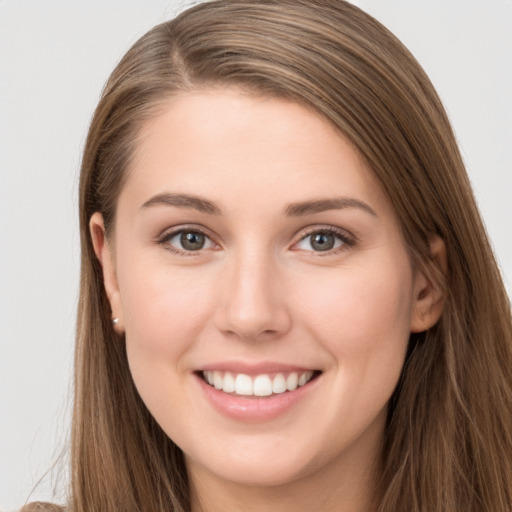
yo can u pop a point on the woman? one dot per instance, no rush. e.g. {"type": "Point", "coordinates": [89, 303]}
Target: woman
{"type": "Point", "coordinates": [288, 300]}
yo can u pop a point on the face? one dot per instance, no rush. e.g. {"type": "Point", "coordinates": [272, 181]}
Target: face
{"type": "Point", "coordinates": [267, 297]}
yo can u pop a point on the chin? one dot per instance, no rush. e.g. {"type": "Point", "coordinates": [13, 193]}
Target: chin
{"type": "Point", "coordinates": [267, 473]}
{"type": "Point", "coordinates": [267, 463]}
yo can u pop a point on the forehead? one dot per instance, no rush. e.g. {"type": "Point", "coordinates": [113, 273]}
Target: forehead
{"type": "Point", "coordinates": [222, 143]}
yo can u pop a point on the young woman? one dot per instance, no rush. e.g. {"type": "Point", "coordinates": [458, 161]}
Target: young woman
{"type": "Point", "coordinates": [288, 300]}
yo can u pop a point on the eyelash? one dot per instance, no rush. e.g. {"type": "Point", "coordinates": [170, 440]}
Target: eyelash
{"type": "Point", "coordinates": [347, 240]}
{"type": "Point", "coordinates": [165, 239]}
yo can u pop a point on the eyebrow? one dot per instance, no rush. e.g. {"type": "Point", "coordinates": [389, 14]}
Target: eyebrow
{"type": "Point", "coordinates": [183, 201]}
{"type": "Point", "coordinates": [292, 210]}
{"type": "Point", "coordinates": [322, 205]}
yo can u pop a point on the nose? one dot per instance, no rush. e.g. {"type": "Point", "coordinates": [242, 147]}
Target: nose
{"type": "Point", "coordinates": [252, 303]}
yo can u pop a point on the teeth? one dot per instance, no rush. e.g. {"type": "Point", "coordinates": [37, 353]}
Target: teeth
{"type": "Point", "coordinates": [229, 383]}
{"type": "Point", "coordinates": [217, 380]}
{"type": "Point", "coordinates": [243, 385]}
{"type": "Point", "coordinates": [279, 384]}
{"type": "Point", "coordinates": [260, 385]}
{"type": "Point", "coordinates": [305, 377]}
{"type": "Point", "coordinates": [292, 381]}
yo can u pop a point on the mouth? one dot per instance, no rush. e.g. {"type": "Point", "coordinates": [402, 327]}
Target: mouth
{"type": "Point", "coordinates": [257, 386]}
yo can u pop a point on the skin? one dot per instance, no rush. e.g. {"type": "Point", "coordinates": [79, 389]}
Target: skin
{"type": "Point", "coordinates": [259, 291]}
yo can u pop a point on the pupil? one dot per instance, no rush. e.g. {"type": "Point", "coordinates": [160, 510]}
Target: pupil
{"type": "Point", "coordinates": [322, 241]}
{"type": "Point", "coordinates": [192, 241]}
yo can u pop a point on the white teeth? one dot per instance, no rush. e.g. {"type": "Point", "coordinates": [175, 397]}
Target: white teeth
{"type": "Point", "coordinates": [217, 380]}
{"type": "Point", "coordinates": [243, 385]}
{"type": "Point", "coordinates": [292, 381]}
{"type": "Point", "coordinates": [305, 377]}
{"type": "Point", "coordinates": [260, 385]}
{"type": "Point", "coordinates": [302, 380]}
{"type": "Point", "coordinates": [279, 384]}
{"type": "Point", "coordinates": [229, 383]}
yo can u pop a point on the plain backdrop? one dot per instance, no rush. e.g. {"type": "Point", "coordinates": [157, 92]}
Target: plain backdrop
{"type": "Point", "coordinates": [54, 59]}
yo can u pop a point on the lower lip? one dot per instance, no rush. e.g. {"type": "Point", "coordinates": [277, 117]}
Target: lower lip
{"type": "Point", "coordinates": [255, 409]}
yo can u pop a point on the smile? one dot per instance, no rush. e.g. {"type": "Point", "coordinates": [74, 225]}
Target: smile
{"type": "Point", "coordinates": [254, 393]}
{"type": "Point", "coordinates": [263, 385]}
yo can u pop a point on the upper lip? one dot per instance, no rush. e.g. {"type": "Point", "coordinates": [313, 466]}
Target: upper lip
{"type": "Point", "coordinates": [247, 368]}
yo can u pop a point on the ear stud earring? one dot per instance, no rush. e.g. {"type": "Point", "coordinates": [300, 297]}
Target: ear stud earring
{"type": "Point", "coordinates": [115, 321]}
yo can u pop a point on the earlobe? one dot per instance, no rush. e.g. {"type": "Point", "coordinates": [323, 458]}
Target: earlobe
{"type": "Point", "coordinates": [429, 288]}
{"type": "Point", "coordinates": [104, 253]}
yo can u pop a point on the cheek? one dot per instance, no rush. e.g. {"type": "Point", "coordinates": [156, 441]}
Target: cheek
{"type": "Point", "coordinates": [359, 306]}
{"type": "Point", "coordinates": [164, 312]}
{"type": "Point", "coordinates": [164, 309]}
{"type": "Point", "coordinates": [363, 322]}
{"type": "Point", "coordinates": [361, 316]}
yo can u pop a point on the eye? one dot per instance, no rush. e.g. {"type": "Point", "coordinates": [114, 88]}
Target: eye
{"type": "Point", "coordinates": [187, 241]}
{"type": "Point", "coordinates": [324, 240]}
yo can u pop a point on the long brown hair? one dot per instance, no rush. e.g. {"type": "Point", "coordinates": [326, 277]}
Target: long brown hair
{"type": "Point", "coordinates": [448, 444]}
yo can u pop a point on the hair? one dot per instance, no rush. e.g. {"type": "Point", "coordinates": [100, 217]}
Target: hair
{"type": "Point", "coordinates": [448, 439]}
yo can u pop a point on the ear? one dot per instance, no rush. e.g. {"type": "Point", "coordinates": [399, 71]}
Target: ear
{"type": "Point", "coordinates": [104, 253]}
{"type": "Point", "coordinates": [428, 291]}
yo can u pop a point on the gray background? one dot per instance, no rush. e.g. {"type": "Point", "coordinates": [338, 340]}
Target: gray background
{"type": "Point", "coordinates": [54, 58]}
